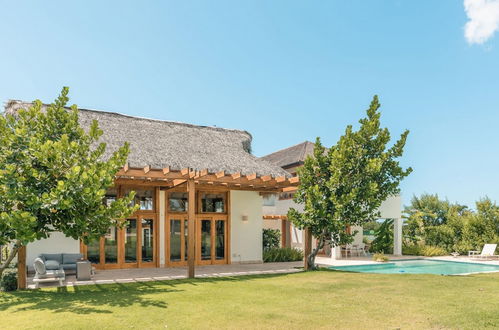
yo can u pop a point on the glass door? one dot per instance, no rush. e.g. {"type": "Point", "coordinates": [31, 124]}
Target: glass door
{"type": "Point", "coordinates": [212, 240]}
{"type": "Point", "coordinates": [130, 243]}
{"type": "Point", "coordinates": [177, 240]}
{"type": "Point", "coordinates": [147, 241]}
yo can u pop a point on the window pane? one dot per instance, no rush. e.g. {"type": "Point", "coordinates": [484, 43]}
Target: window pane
{"type": "Point", "coordinates": [111, 195]}
{"type": "Point", "coordinates": [93, 252]}
{"type": "Point", "coordinates": [205, 239]}
{"type": "Point", "coordinates": [147, 240]}
{"type": "Point", "coordinates": [269, 199]}
{"type": "Point", "coordinates": [175, 240]}
{"type": "Point", "coordinates": [143, 197]}
{"type": "Point", "coordinates": [111, 246]}
{"type": "Point", "coordinates": [220, 240]}
{"type": "Point", "coordinates": [213, 203]}
{"type": "Point", "coordinates": [186, 234]}
{"type": "Point", "coordinates": [131, 241]}
{"type": "Point", "coordinates": [178, 202]}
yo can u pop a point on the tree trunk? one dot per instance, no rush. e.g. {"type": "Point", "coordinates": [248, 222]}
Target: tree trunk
{"type": "Point", "coordinates": [11, 256]}
{"type": "Point", "coordinates": [313, 254]}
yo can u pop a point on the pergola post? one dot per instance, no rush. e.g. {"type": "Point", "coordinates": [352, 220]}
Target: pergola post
{"type": "Point", "coordinates": [191, 227]}
{"type": "Point", "coordinates": [397, 237]}
{"type": "Point", "coordinates": [307, 247]}
{"type": "Point", "coordinates": [21, 267]}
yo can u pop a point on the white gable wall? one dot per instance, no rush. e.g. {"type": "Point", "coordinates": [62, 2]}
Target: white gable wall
{"type": "Point", "coordinates": [245, 236]}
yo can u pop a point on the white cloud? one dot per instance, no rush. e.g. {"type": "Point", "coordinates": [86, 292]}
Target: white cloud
{"type": "Point", "coordinates": [483, 20]}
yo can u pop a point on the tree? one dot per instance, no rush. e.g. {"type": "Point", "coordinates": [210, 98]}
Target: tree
{"type": "Point", "coordinates": [345, 185]}
{"type": "Point", "coordinates": [383, 243]}
{"type": "Point", "coordinates": [54, 176]}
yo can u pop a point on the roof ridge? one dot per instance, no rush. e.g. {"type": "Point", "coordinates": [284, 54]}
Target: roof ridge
{"type": "Point", "coordinates": [11, 102]}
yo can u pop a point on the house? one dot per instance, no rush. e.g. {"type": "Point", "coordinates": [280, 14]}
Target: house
{"type": "Point", "coordinates": [276, 206]}
{"type": "Point", "coordinates": [199, 189]}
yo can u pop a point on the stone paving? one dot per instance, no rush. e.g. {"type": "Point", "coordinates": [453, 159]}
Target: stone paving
{"type": "Point", "coordinates": [172, 273]}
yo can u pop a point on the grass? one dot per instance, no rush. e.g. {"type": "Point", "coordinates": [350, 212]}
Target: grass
{"type": "Point", "coordinates": [322, 299]}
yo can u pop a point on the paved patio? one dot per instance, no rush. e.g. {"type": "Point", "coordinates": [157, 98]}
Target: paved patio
{"type": "Point", "coordinates": [162, 274]}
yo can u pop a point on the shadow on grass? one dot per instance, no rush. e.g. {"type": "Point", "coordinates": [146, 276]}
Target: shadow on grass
{"type": "Point", "coordinates": [97, 298]}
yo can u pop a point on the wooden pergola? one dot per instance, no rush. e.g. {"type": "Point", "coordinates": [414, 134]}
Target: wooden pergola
{"type": "Point", "coordinates": [198, 179]}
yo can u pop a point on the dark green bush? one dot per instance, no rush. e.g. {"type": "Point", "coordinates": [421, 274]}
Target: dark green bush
{"type": "Point", "coordinates": [271, 238]}
{"type": "Point", "coordinates": [9, 280]}
{"type": "Point", "coordinates": [282, 255]}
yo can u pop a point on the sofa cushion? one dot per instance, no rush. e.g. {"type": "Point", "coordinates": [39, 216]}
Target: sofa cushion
{"type": "Point", "coordinates": [53, 256]}
{"type": "Point", "coordinates": [39, 266]}
{"type": "Point", "coordinates": [52, 264]}
{"type": "Point", "coordinates": [69, 266]}
{"type": "Point", "coordinates": [71, 258]}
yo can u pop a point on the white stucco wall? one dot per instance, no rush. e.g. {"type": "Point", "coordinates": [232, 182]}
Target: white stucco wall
{"type": "Point", "coordinates": [246, 236]}
{"type": "Point", "coordinates": [162, 209]}
{"type": "Point", "coordinates": [56, 243]}
{"type": "Point", "coordinates": [391, 208]}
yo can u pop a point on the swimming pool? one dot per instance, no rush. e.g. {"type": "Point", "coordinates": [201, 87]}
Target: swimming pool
{"type": "Point", "coordinates": [421, 266]}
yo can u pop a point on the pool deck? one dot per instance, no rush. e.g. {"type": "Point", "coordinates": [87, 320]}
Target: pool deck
{"type": "Point", "coordinates": [174, 273]}
{"type": "Point", "coordinates": [357, 261]}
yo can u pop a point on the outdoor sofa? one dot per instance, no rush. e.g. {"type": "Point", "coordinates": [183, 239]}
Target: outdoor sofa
{"type": "Point", "coordinates": [65, 261]}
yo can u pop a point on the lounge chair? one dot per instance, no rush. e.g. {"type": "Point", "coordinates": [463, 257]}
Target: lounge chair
{"type": "Point", "coordinates": [44, 275]}
{"type": "Point", "coordinates": [487, 252]}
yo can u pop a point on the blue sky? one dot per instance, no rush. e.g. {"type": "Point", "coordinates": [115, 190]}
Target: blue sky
{"type": "Point", "coordinates": [286, 71]}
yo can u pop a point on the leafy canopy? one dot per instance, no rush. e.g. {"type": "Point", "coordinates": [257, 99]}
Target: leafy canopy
{"type": "Point", "coordinates": [53, 176]}
{"type": "Point", "coordinates": [345, 185]}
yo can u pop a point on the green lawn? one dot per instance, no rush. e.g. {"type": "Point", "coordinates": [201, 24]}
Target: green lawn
{"type": "Point", "coordinates": [322, 299]}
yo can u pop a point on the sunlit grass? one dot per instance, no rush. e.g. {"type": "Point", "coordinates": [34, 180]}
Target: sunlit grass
{"type": "Point", "coordinates": [322, 299]}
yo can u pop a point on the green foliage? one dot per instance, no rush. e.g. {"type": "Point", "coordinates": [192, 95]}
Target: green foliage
{"type": "Point", "coordinates": [384, 238]}
{"type": "Point", "coordinates": [8, 281]}
{"type": "Point", "coordinates": [424, 250]}
{"type": "Point", "coordinates": [271, 238]}
{"type": "Point", "coordinates": [380, 257]}
{"type": "Point", "coordinates": [54, 175]}
{"type": "Point", "coordinates": [345, 185]}
{"type": "Point", "coordinates": [282, 255]}
{"type": "Point", "coordinates": [452, 227]}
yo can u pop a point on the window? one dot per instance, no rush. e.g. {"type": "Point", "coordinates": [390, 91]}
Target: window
{"type": "Point", "coordinates": [269, 199]}
{"type": "Point", "coordinates": [213, 203]}
{"type": "Point", "coordinates": [110, 196]}
{"type": "Point", "coordinates": [178, 202]}
{"type": "Point", "coordinates": [144, 198]}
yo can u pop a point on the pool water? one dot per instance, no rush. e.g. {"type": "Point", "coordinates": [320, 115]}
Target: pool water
{"type": "Point", "coordinates": [421, 266]}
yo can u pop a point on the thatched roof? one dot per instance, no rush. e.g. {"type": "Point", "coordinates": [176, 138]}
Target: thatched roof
{"type": "Point", "coordinates": [292, 156]}
{"type": "Point", "coordinates": [161, 144]}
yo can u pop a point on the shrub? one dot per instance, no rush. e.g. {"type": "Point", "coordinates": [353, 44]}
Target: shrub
{"type": "Point", "coordinates": [380, 257]}
{"type": "Point", "coordinates": [433, 251]}
{"type": "Point", "coordinates": [282, 255]}
{"type": "Point", "coordinates": [423, 250]}
{"type": "Point", "coordinates": [271, 238]}
{"type": "Point", "coordinates": [9, 280]}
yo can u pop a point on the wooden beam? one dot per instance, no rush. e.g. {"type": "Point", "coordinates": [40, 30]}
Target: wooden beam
{"type": "Point", "coordinates": [184, 171]}
{"type": "Point", "coordinates": [177, 182]}
{"type": "Point", "coordinates": [288, 189]}
{"type": "Point", "coordinates": [166, 170]}
{"type": "Point", "coordinates": [125, 168]}
{"type": "Point", "coordinates": [280, 179]}
{"type": "Point", "coordinates": [236, 175]}
{"type": "Point", "coordinates": [147, 169]}
{"type": "Point", "coordinates": [191, 228]}
{"type": "Point", "coordinates": [21, 268]}
{"type": "Point", "coordinates": [202, 173]}
{"type": "Point", "coordinates": [251, 177]}
{"type": "Point", "coordinates": [220, 174]}
{"type": "Point", "coordinates": [294, 179]}
{"type": "Point", "coordinates": [266, 178]}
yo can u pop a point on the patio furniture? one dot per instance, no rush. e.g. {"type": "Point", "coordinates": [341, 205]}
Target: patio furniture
{"type": "Point", "coordinates": [487, 252]}
{"type": "Point", "coordinates": [83, 270]}
{"type": "Point", "coordinates": [44, 275]}
{"type": "Point", "coordinates": [66, 261]}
